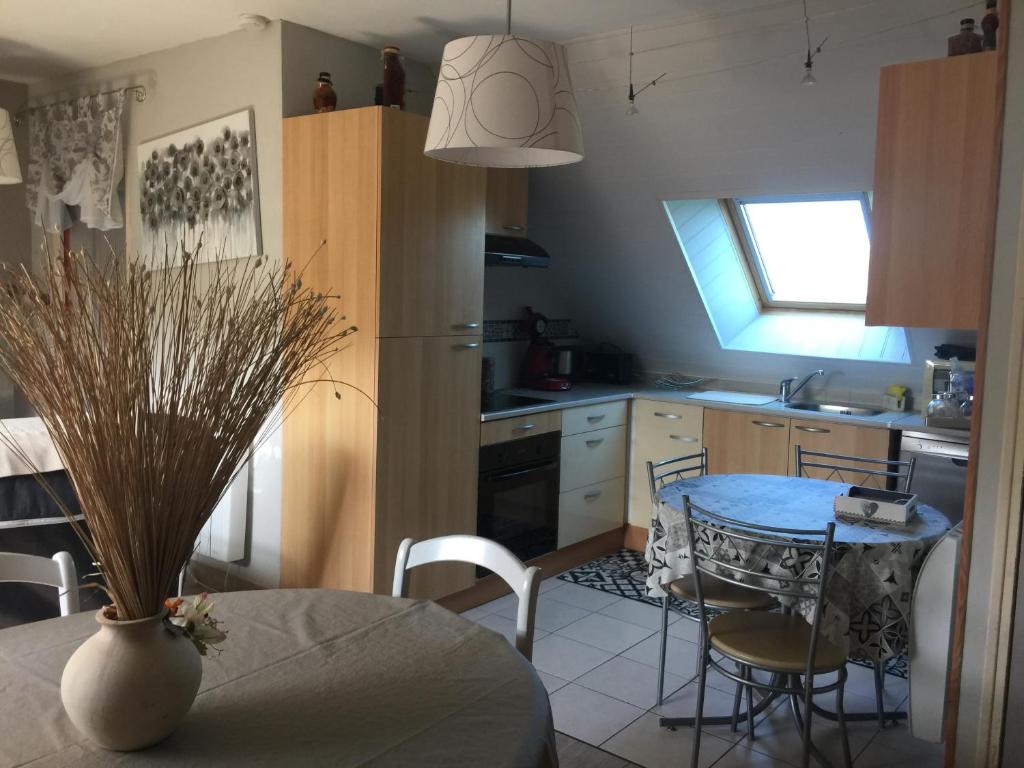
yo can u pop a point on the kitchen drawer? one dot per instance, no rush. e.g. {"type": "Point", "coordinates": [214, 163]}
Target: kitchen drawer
{"type": "Point", "coordinates": [517, 427]}
{"type": "Point", "coordinates": [591, 457]}
{"type": "Point", "coordinates": [670, 423]}
{"type": "Point", "coordinates": [587, 418]}
{"type": "Point", "coordinates": [590, 510]}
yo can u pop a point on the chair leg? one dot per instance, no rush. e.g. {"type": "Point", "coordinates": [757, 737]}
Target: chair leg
{"type": "Point", "coordinates": [808, 711]}
{"type": "Point", "coordinates": [736, 699]}
{"type": "Point", "coordinates": [664, 647]}
{"type": "Point", "coordinates": [749, 675]}
{"type": "Point", "coordinates": [880, 692]}
{"type": "Point", "coordinates": [841, 720]}
{"type": "Point", "coordinates": [698, 720]}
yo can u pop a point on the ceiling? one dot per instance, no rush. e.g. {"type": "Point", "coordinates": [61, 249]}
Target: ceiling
{"type": "Point", "coordinates": [40, 39]}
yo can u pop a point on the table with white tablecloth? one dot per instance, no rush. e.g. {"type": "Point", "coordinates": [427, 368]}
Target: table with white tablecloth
{"type": "Point", "coordinates": [307, 677]}
{"type": "Point", "coordinates": [867, 601]}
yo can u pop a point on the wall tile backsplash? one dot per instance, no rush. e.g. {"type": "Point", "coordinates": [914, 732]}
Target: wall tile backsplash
{"type": "Point", "coordinates": [512, 330]}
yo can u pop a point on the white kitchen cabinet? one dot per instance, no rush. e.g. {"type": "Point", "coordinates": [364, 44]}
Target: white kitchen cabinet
{"type": "Point", "coordinates": [590, 511]}
{"type": "Point", "coordinates": [591, 457]}
{"type": "Point", "coordinates": [587, 418]}
{"type": "Point", "coordinates": [661, 430]}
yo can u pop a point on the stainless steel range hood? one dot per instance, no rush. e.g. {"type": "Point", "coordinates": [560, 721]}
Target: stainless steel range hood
{"type": "Point", "coordinates": [502, 251]}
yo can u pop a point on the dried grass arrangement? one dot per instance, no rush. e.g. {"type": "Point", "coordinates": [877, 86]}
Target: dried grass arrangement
{"type": "Point", "coordinates": [154, 386]}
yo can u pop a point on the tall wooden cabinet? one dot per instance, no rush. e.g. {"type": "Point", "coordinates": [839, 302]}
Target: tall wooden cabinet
{"type": "Point", "coordinates": [507, 201]}
{"type": "Point", "coordinates": [396, 455]}
{"type": "Point", "coordinates": [936, 170]}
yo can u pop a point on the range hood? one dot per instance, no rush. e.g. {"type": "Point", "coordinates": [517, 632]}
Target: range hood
{"type": "Point", "coordinates": [503, 251]}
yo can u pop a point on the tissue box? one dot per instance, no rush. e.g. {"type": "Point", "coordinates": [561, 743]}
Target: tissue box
{"type": "Point", "coordinates": [861, 504]}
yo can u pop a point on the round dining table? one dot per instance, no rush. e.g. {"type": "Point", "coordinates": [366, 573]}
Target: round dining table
{"type": "Point", "coordinates": [867, 598]}
{"type": "Point", "coordinates": [306, 677]}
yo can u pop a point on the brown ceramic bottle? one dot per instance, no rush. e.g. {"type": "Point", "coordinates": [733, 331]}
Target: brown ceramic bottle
{"type": "Point", "coordinates": [324, 97]}
{"type": "Point", "coordinates": [966, 40]}
{"type": "Point", "coordinates": [394, 78]}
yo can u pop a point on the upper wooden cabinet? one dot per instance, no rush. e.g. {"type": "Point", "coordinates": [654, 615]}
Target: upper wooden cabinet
{"type": "Point", "coordinates": [936, 170]}
{"type": "Point", "coordinates": [746, 443]}
{"type": "Point", "coordinates": [507, 201]}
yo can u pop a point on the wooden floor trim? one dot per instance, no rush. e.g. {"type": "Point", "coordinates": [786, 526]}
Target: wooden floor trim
{"type": "Point", "coordinates": [636, 538]}
{"type": "Point", "coordinates": [492, 587]}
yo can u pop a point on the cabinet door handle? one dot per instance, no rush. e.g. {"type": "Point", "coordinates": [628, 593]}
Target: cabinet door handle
{"type": "Point", "coordinates": [595, 419]}
{"type": "Point", "coordinates": [471, 345]}
{"type": "Point", "coordinates": [663, 415]}
{"type": "Point", "coordinates": [594, 443]}
{"type": "Point", "coordinates": [768, 424]}
{"type": "Point", "coordinates": [513, 227]}
{"type": "Point", "coordinates": [526, 427]}
{"type": "Point", "coordinates": [591, 496]}
{"type": "Point", "coordinates": [820, 430]}
{"type": "Point", "coordinates": [466, 325]}
{"type": "Point", "coordinates": [683, 438]}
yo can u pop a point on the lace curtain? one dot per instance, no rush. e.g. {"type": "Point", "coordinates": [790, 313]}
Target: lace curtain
{"type": "Point", "coordinates": [76, 157]}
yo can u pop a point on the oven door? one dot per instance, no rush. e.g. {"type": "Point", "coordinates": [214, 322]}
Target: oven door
{"type": "Point", "coordinates": [518, 507]}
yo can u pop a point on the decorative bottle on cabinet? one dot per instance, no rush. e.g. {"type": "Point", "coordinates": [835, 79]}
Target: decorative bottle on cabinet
{"type": "Point", "coordinates": [966, 40]}
{"type": "Point", "coordinates": [394, 78]}
{"type": "Point", "coordinates": [989, 25]}
{"type": "Point", "coordinates": [324, 97]}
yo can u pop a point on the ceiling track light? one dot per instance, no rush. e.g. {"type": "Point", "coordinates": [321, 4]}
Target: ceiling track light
{"type": "Point", "coordinates": [633, 91]}
{"type": "Point", "coordinates": [809, 78]}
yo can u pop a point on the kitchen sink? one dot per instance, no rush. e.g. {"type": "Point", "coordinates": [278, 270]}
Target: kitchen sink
{"type": "Point", "coordinates": [843, 410]}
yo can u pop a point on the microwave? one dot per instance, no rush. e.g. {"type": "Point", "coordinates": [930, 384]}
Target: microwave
{"type": "Point", "coordinates": [936, 380]}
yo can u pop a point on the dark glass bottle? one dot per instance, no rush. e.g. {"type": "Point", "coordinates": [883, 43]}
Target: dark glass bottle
{"type": "Point", "coordinates": [394, 78]}
{"type": "Point", "coordinates": [324, 97]}
{"type": "Point", "coordinates": [989, 25]}
{"type": "Point", "coordinates": [966, 40]}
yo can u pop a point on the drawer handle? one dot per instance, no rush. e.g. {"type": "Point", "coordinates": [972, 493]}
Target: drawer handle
{"type": "Point", "coordinates": [768, 424]}
{"type": "Point", "coordinates": [466, 325]}
{"type": "Point", "coordinates": [683, 438]}
{"type": "Point", "coordinates": [819, 430]}
{"type": "Point", "coordinates": [663, 415]}
{"type": "Point", "coordinates": [595, 419]}
{"type": "Point", "coordinates": [594, 443]}
{"type": "Point", "coordinates": [525, 427]}
{"type": "Point", "coordinates": [471, 345]}
{"type": "Point", "coordinates": [513, 227]}
{"type": "Point", "coordinates": [591, 496]}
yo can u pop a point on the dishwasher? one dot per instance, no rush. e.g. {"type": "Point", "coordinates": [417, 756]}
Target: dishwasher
{"type": "Point", "coordinates": [940, 473]}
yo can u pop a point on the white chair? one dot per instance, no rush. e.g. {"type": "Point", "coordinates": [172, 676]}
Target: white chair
{"type": "Point", "coordinates": [525, 582]}
{"type": "Point", "coordinates": [57, 571]}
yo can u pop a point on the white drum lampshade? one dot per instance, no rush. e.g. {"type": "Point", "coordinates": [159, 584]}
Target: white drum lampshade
{"type": "Point", "coordinates": [10, 170]}
{"type": "Point", "coordinates": [504, 102]}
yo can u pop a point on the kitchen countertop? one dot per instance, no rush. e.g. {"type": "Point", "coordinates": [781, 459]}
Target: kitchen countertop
{"type": "Point", "coordinates": [593, 394]}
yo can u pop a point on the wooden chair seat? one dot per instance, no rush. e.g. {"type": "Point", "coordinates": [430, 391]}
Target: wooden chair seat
{"type": "Point", "coordinates": [772, 641]}
{"type": "Point", "coordinates": [723, 595]}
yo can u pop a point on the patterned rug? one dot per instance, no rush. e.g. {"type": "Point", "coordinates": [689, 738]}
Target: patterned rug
{"type": "Point", "coordinates": [624, 573]}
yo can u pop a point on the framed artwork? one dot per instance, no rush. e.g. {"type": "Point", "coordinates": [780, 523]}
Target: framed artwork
{"type": "Point", "coordinates": [201, 182]}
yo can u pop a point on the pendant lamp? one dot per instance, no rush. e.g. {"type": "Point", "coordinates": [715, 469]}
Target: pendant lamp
{"type": "Point", "coordinates": [504, 101]}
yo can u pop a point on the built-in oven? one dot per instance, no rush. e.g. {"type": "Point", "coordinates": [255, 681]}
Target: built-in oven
{"type": "Point", "coordinates": [518, 494]}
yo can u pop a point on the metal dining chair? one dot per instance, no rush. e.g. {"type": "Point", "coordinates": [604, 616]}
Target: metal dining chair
{"type": "Point", "coordinates": [525, 582]}
{"type": "Point", "coordinates": [719, 594]}
{"type": "Point", "coordinates": [782, 644]}
{"type": "Point", "coordinates": [57, 571]}
{"type": "Point", "coordinates": [894, 474]}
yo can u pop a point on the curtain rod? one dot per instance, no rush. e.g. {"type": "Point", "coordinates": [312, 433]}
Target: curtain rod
{"type": "Point", "coordinates": [139, 91]}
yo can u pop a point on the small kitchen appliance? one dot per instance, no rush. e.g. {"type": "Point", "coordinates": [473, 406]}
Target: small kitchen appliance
{"type": "Point", "coordinates": [541, 361]}
{"type": "Point", "coordinates": [608, 365]}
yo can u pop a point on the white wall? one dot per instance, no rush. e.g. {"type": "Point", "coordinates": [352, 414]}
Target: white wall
{"type": "Point", "coordinates": [748, 130]}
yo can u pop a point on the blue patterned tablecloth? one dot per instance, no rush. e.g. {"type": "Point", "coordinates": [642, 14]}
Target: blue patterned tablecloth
{"type": "Point", "coordinates": [867, 603]}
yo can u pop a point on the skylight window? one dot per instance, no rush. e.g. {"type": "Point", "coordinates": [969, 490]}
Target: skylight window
{"type": "Point", "coordinates": [807, 252]}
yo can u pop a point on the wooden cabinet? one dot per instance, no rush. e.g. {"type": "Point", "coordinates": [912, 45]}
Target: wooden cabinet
{"type": "Point", "coordinates": [518, 427]}
{"type": "Point", "coordinates": [746, 443]}
{"type": "Point", "coordinates": [507, 201]}
{"type": "Point", "coordinates": [660, 430]}
{"type": "Point", "coordinates": [396, 455]}
{"type": "Point", "coordinates": [936, 167]}
{"type": "Point", "coordinates": [844, 439]}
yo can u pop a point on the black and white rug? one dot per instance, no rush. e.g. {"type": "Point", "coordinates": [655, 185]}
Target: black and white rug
{"type": "Point", "coordinates": [624, 573]}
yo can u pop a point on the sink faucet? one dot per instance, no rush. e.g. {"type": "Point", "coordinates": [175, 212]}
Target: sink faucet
{"type": "Point", "coordinates": [787, 390]}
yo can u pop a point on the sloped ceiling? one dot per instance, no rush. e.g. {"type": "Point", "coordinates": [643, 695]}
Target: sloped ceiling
{"type": "Point", "coordinates": [730, 117]}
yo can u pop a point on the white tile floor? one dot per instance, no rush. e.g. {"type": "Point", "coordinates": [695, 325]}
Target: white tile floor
{"type": "Point", "coordinates": [597, 655]}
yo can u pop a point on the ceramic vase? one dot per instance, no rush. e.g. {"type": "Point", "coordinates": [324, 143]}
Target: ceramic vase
{"type": "Point", "coordinates": [131, 684]}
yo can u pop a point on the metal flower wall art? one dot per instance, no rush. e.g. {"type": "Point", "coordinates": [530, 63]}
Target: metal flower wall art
{"type": "Point", "coordinates": [201, 180]}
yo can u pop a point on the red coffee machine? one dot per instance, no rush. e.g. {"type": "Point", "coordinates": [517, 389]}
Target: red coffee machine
{"type": "Point", "coordinates": [541, 359]}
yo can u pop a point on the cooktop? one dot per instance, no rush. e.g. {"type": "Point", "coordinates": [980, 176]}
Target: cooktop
{"type": "Point", "coordinates": [500, 401]}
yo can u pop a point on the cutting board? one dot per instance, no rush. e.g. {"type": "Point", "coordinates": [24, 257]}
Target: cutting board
{"type": "Point", "coordinates": [737, 398]}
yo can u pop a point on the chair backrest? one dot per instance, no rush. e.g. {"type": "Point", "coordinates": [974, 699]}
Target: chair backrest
{"type": "Point", "coordinates": [661, 472]}
{"type": "Point", "coordinates": [525, 582]}
{"type": "Point", "coordinates": [57, 571]}
{"type": "Point", "coordinates": [789, 563]}
{"type": "Point", "coordinates": [856, 469]}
